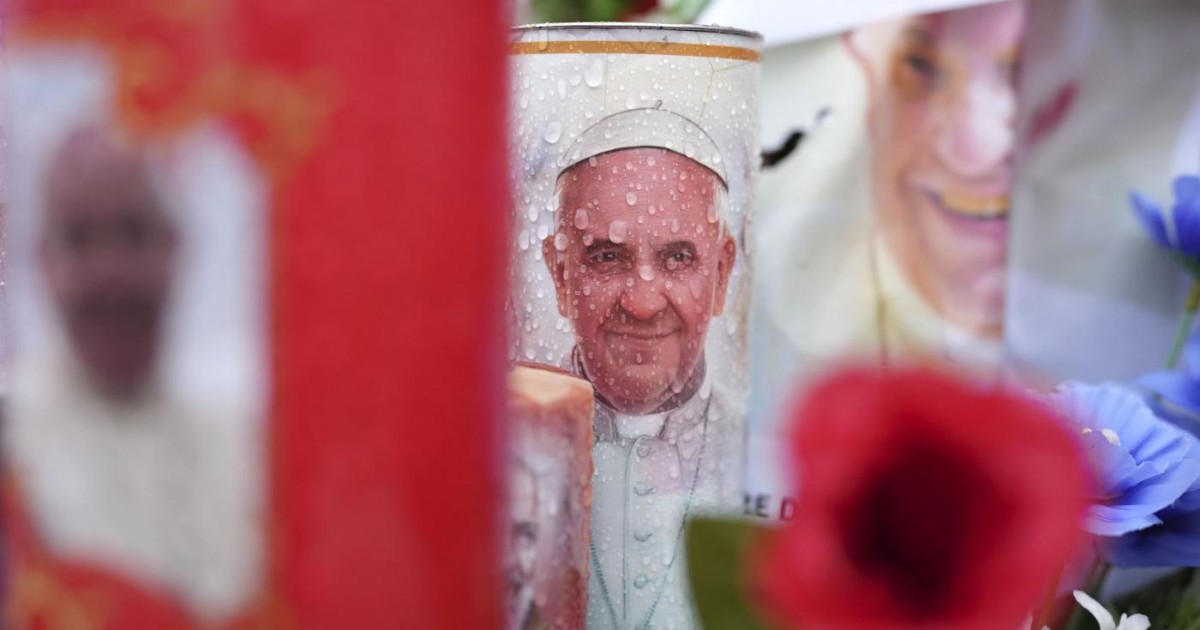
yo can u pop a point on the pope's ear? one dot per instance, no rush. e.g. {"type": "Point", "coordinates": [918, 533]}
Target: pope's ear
{"type": "Point", "coordinates": [557, 266]}
{"type": "Point", "coordinates": [724, 270]}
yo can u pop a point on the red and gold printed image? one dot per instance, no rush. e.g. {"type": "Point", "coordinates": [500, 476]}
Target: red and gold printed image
{"type": "Point", "coordinates": [223, 410]}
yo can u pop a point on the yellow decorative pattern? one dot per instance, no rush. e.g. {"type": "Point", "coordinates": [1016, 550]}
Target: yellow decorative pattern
{"type": "Point", "coordinates": [676, 49]}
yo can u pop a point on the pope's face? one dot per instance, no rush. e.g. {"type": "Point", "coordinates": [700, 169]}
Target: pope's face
{"type": "Point", "coordinates": [641, 264]}
{"type": "Point", "coordinates": [523, 516]}
{"type": "Point", "coordinates": [941, 123]}
{"type": "Point", "coordinates": [107, 251]}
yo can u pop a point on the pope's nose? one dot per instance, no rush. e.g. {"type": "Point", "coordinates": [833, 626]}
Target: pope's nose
{"type": "Point", "coordinates": [644, 295]}
{"type": "Point", "coordinates": [978, 137]}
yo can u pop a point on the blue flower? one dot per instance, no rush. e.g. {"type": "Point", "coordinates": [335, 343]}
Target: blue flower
{"type": "Point", "coordinates": [1180, 387]}
{"type": "Point", "coordinates": [1143, 464]}
{"type": "Point", "coordinates": [1173, 543]}
{"type": "Point", "coordinates": [1179, 230]}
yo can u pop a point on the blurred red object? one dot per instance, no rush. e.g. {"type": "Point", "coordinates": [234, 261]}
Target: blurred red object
{"type": "Point", "coordinates": [381, 125]}
{"type": "Point", "coordinates": [923, 502]}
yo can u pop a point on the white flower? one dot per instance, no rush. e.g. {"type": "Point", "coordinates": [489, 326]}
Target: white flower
{"type": "Point", "coordinates": [1105, 619]}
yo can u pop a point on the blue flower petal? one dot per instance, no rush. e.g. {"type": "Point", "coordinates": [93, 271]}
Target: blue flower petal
{"type": "Point", "coordinates": [1187, 190]}
{"type": "Point", "coordinates": [1191, 357]}
{"type": "Point", "coordinates": [1174, 543]}
{"type": "Point", "coordinates": [1186, 217]}
{"type": "Point", "coordinates": [1146, 436]}
{"type": "Point", "coordinates": [1151, 217]}
{"type": "Point", "coordinates": [1160, 462]}
{"type": "Point", "coordinates": [1181, 389]}
{"type": "Point", "coordinates": [1162, 490]}
{"type": "Point", "coordinates": [1113, 520]}
{"type": "Point", "coordinates": [1114, 465]}
{"type": "Point", "coordinates": [1188, 502]}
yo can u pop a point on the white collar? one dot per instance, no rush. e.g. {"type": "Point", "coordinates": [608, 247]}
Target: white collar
{"type": "Point", "coordinates": [612, 425]}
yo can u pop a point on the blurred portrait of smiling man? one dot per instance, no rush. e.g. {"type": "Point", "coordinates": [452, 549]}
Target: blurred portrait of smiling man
{"type": "Point", "coordinates": [886, 238]}
{"type": "Point", "coordinates": [641, 259]}
{"type": "Point", "coordinates": [117, 472]}
{"type": "Point", "coordinates": [942, 96]}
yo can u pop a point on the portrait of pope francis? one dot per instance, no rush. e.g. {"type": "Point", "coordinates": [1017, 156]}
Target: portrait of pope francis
{"type": "Point", "coordinates": [641, 258]}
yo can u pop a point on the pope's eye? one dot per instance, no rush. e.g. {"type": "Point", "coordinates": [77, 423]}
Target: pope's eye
{"type": "Point", "coordinates": [679, 259]}
{"type": "Point", "coordinates": [921, 64]}
{"type": "Point", "coordinates": [605, 260]}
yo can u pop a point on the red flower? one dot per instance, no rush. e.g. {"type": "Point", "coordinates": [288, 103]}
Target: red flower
{"type": "Point", "coordinates": [925, 503]}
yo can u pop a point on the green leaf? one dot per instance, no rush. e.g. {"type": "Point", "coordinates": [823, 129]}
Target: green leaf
{"type": "Point", "coordinates": [716, 549]}
{"type": "Point", "coordinates": [1187, 611]}
{"type": "Point", "coordinates": [1162, 600]}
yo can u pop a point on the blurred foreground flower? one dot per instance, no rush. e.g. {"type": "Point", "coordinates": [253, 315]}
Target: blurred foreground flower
{"type": "Point", "coordinates": [1143, 464]}
{"type": "Point", "coordinates": [1178, 231]}
{"type": "Point", "coordinates": [923, 502]}
{"type": "Point", "coordinates": [1105, 620]}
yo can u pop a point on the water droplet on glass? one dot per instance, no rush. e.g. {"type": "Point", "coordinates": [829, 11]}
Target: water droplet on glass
{"type": "Point", "coordinates": [594, 75]}
{"type": "Point", "coordinates": [631, 197]}
{"type": "Point", "coordinates": [650, 161]}
{"type": "Point", "coordinates": [712, 214]}
{"type": "Point", "coordinates": [523, 240]}
{"type": "Point", "coordinates": [646, 272]}
{"type": "Point", "coordinates": [560, 241]}
{"type": "Point", "coordinates": [532, 213]}
{"type": "Point", "coordinates": [562, 89]}
{"type": "Point", "coordinates": [581, 219]}
{"type": "Point", "coordinates": [674, 226]}
{"type": "Point", "coordinates": [617, 231]}
{"type": "Point", "coordinates": [553, 132]}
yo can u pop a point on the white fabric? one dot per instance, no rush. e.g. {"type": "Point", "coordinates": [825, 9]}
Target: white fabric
{"type": "Point", "coordinates": [151, 489]}
{"type": "Point", "coordinates": [644, 484]}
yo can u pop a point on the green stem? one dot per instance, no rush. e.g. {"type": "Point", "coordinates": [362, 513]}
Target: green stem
{"type": "Point", "coordinates": [1185, 325]}
{"type": "Point", "coordinates": [1079, 618]}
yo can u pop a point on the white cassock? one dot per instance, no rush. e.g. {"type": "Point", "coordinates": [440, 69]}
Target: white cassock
{"type": "Point", "coordinates": [651, 473]}
{"type": "Point", "coordinates": [845, 296]}
{"type": "Point", "coordinates": [153, 489]}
